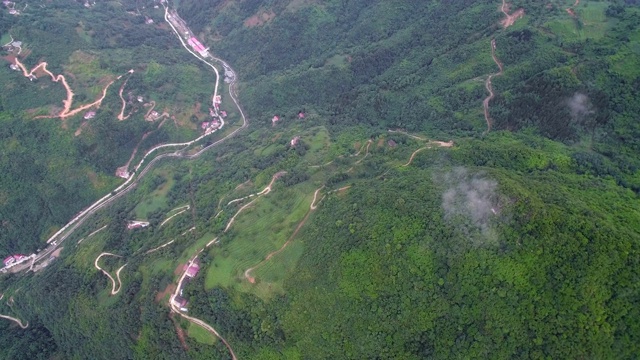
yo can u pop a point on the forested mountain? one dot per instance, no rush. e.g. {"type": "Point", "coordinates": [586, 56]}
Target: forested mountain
{"type": "Point", "coordinates": [418, 179]}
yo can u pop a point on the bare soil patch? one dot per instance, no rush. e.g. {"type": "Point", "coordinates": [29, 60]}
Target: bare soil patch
{"type": "Point", "coordinates": [167, 291]}
{"type": "Point", "coordinates": [179, 269]}
{"type": "Point", "coordinates": [259, 19]}
{"type": "Point", "coordinates": [180, 333]}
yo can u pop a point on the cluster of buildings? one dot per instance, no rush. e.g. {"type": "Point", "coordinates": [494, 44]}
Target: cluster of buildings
{"type": "Point", "coordinates": [191, 271]}
{"type": "Point", "coordinates": [276, 118]}
{"type": "Point", "coordinates": [197, 46]}
{"type": "Point", "coordinates": [11, 46]}
{"type": "Point", "coordinates": [11, 6]}
{"type": "Point", "coordinates": [216, 116]}
{"type": "Point", "coordinates": [14, 260]}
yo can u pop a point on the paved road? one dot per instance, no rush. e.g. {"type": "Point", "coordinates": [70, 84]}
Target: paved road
{"type": "Point", "coordinates": [56, 239]}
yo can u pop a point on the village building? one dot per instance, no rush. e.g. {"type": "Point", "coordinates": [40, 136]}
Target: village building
{"type": "Point", "coordinates": [140, 99]}
{"type": "Point", "coordinates": [13, 259]}
{"type": "Point", "coordinates": [301, 115]}
{"type": "Point", "coordinates": [137, 224]}
{"type": "Point", "coordinates": [179, 302]}
{"type": "Point", "coordinates": [275, 120]}
{"type": "Point", "coordinates": [9, 261]}
{"type": "Point", "coordinates": [89, 115]}
{"type": "Point", "coordinates": [192, 270]}
{"type": "Point", "coordinates": [14, 67]}
{"type": "Point", "coordinates": [122, 172]}
{"type": "Point", "coordinates": [149, 21]}
{"type": "Point", "coordinates": [295, 141]}
{"type": "Point", "coordinates": [198, 47]}
{"type": "Point", "coordinates": [223, 113]}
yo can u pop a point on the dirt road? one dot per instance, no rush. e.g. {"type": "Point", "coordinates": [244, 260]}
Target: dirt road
{"type": "Point", "coordinates": [510, 19]}
{"type": "Point", "coordinates": [570, 11]}
{"type": "Point", "coordinates": [17, 321]}
{"type": "Point", "coordinates": [124, 103]}
{"type": "Point", "coordinates": [114, 290]}
{"type": "Point", "coordinates": [196, 321]}
{"type": "Point", "coordinates": [68, 102]}
{"type": "Point", "coordinates": [489, 86]}
{"type": "Point", "coordinates": [312, 207]}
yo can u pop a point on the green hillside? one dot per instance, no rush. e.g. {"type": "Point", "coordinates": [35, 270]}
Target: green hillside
{"type": "Point", "coordinates": [382, 216]}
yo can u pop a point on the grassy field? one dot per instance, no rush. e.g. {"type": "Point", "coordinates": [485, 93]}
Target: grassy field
{"type": "Point", "coordinates": [590, 23]}
{"type": "Point", "coordinates": [259, 230]}
{"type": "Point", "coordinates": [155, 200]}
{"type": "Point", "coordinates": [201, 335]}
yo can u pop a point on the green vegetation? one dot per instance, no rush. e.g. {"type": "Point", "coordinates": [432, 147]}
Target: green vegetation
{"type": "Point", "coordinates": [519, 242]}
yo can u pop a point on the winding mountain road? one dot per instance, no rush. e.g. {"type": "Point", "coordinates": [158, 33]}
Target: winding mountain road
{"type": "Point", "coordinates": [489, 86]}
{"type": "Point", "coordinates": [114, 290]}
{"type": "Point", "coordinates": [17, 321]}
{"type": "Point", "coordinates": [133, 180]}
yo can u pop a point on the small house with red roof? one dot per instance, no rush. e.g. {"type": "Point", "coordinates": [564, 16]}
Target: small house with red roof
{"type": "Point", "coordinates": [205, 125]}
{"type": "Point", "coordinates": [301, 115]}
{"type": "Point", "coordinates": [179, 302]}
{"type": "Point", "coordinates": [8, 260]}
{"type": "Point", "coordinates": [192, 270]}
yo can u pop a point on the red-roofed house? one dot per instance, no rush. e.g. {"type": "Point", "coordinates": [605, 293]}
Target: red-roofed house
{"type": "Point", "coordinates": [275, 120]}
{"type": "Point", "coordinates": [8, 261]}
{"type": "Point", "coordinates": [180, 302]}
{"type": "Point", "coordinates": [300, 115]}
{"type": "Point", "coordinates": [197, 46]}
{"type": "Point", "coordinates": [192, 270]}
{"type": "Point", "coordinates": [205, 125]}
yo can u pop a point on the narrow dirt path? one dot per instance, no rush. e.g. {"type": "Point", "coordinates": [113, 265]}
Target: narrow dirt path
{"type": "Point", "coordinates": [174, 215]}
{"type": "Point", "coordinates": [570, 11]}
{"type": "Point", "coordinates": [315, 195]}
{"type": "Point", "coordinates": [265, 191]}
{"type": "Point", "coordinates": [407, 134]}
{"type": "Point", "coordinates": [312, 207]}
{"type": "Point", "coordinates": [489, 86]}
{"type": "Point", "coordinates": [114, 290]}
{"type": "Point", "coordinates": [124, 103]}
{"type": "Point", "coordinates": [323, 165]}
{"type": "Point", "coordinates": [17, 321]}
{"type": "Point", "coordinates": [93, 233]}
{"type": "Point", "coordinates": [66, 112]}
{"type": "Point", "coordinates": [369, 142]}
{"type": "Point", "coordinates": [413, 155]}
{"type": "Point", "coordinates": [159, 247]}
{"type": "Point", "coordinates": [510, 19]}
{"type": "Point", "coordinates": [196, 321]}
